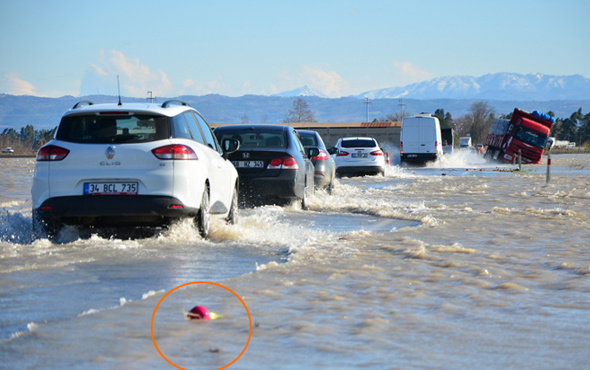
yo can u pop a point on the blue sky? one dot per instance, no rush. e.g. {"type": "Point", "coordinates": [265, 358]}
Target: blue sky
{"type": "Point", "coordinates": [56, 48]}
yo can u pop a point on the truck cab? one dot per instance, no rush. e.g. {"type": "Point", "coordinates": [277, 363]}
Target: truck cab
{"type": "Point", "coordinates": [528, 138]}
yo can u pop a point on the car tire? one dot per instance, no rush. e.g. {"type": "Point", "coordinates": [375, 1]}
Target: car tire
{"type": "Point", "coordinates": [203, 219]}
{"type": "Point", "coordinates": [304, 199]}
{"type": "Point", "coordinates": [43, 228]}
{"type": "Point", "coordinates": [232, 217]}
{"type": "Point", "coordinates": [308, 190]}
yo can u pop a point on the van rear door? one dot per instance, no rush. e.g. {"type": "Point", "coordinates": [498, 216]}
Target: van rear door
{"type": "Point", "coordinates": [419, 136]}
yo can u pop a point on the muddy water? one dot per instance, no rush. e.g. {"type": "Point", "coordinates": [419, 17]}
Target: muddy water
{"type": "Point", "coordinates": [461, 264]}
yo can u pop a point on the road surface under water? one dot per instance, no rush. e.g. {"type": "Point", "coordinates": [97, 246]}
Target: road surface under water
{"type": "Point", "coordinates": [460, 264]}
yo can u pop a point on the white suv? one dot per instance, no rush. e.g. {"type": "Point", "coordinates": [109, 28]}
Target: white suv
{"type": "Point", "coordinates": [119, 165]}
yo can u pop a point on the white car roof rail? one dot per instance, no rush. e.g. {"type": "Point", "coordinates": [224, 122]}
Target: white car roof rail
{"type": "Point", "coordinates": [170, 102]}
{"type": "Point", "coordinates": [83, 102]}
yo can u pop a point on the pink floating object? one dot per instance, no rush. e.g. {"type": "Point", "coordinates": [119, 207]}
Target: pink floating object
{"type": "Point", "coordinates": [198, 313]}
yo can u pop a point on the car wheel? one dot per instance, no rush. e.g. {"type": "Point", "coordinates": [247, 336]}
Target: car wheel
{"type": "Point", "coordinates": [331, 185]}
{"type": "Point", "coordinates": [203, 220]}
{"type": "Point", "coordinates": [43, 228]}
{"type": "Point", "coordinates": [304, 199]}
{"type": "Point", "coordinates": [232, 217]}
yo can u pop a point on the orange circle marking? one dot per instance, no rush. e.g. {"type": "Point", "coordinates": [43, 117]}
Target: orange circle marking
{"type": "Point", "coordinates": [202, 282]}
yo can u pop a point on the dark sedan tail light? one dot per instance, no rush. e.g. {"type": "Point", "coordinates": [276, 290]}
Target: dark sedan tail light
{"type": "Point", "coordinates": [284, 163]}
{"type": "Point", "coordinates": [323, 156]}
{"type": "Point", "coordinates": [176, 152]}
{"type": "Point", "coordinates": [51, 153]}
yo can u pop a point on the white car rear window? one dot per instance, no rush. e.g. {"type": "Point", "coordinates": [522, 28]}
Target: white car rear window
{"type": "Point", "coordinates": [358, 143]}
{"type": "Point", "coordinates": [113, 128]}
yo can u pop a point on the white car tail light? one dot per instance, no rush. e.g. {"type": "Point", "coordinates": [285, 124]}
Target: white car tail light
{"type": "Point", "coordinates": [51, 153]}
{"type": "Point", "coordinates": [175, 152]}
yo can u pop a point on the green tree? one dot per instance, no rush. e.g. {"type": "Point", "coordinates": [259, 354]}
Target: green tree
{"type": "Point", "coordinates": [566, 130]}
{"type": "Point", "coordinates": [27, 136]}
{"type": "Point", "coordinates": [10, 134]}
{"type": "Point", "coordinates": [585, 130]}
{"type": "Point", "coordinates": [42, 137]}
{"type": "Point", "coordinates": [445, 119]}
{"type": "Point", "coordinates": [9, 138]}
{"type": "Point", "coordinates": [575, 128]}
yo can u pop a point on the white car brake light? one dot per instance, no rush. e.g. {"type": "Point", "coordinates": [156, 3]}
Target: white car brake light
{"type": "Point", "coordinates": [51, 153]}
{"type": "Point", "coordinates": [175, 152]}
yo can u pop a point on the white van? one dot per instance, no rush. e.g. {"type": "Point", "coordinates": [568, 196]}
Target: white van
{"type": "Point", "coordinates": [420, 139]}
{"type": "Point", "coordinates": [465, 142]}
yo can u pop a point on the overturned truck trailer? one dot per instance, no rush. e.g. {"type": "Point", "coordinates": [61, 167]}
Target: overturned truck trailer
{"type": "Point", "coordinates": [525, 134]}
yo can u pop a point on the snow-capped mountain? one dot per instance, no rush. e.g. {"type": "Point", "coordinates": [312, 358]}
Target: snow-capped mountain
{"type": "Point", "coordinates": [302, 91]}
{"type": "Point", "coordinates": [495, 86]}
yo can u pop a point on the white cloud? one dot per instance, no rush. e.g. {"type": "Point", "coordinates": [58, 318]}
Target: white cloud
{"type": "Point", "coordinates": [325, 81]}
{"type": "Point", "coordinates": [14, 85]}
{"type": "Point", "coordinates": [328, 82]}
{"type": "Point", "coordinates": [194, 87]}
{"type": "Point", "coordinates": [407, 73]}
{"type": "Point", "coordinates": [135, 78]}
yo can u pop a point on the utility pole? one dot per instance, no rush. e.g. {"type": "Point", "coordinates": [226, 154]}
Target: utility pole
{"type": "Point", "coordinates": [367, 102]}
{"type": "Point", "coordinates": [401, 104]}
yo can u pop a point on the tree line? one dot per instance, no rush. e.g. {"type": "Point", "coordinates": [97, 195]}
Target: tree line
{"type": "Point", "coordinates": [476, 123]}
{"type": "Point", "coordinates": [27, 140]}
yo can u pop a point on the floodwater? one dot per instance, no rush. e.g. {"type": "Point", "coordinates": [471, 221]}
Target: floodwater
{"type": "Point", "coordinates": [460, 264]}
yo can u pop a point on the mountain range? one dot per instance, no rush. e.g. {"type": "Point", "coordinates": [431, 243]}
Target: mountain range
{"type": "Point", "coordinates": [302, 91]}
{"type": "Point", "coordinates": [562, 95]}
{"type": "Point", "coordinates": [493, 86]}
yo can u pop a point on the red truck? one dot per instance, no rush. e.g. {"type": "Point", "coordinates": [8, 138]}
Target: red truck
{"type": "Point", "coordinates": [526, 133]}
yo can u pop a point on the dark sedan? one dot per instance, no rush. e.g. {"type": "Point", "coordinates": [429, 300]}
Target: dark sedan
{"type": "Point", "coordinates": [273, 165]}
{"type": "Point", "coordinates": [325, 169]}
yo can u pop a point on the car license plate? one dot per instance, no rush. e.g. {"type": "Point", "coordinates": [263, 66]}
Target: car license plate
{"type": "Point", "coordinates": [412, 155]}
{"type": "Point", "coordinates": [359, 155]}
{"type": "Point", "coordinates": [110, 188]}
{"type": "Point", "coordinates": [248, 164]}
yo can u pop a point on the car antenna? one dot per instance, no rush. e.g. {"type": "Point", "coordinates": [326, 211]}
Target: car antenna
{"type": "Point", "coordinates": [119, 90]}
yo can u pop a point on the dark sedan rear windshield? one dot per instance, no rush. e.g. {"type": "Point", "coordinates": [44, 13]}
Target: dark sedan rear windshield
{"type": "Point", "coordinates": [308, 139]}
{"type": "Point", "coordinates": [358, 143]}
{"type": "Point", "coordinates": [255, 138]}
{"type": "Point", "coordinates": [104, 129]}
